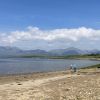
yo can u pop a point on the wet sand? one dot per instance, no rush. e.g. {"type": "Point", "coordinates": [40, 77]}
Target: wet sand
{"type": "Point", "coordinates": [61, 85]}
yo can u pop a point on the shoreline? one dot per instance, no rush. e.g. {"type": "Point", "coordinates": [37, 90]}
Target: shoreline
{"type": "Point", "coordinates": [36, 75]}
{"type": "Point", "coordinates": [59, 85]}
{"type": "Point", "coordinates": [77, 58]}
{"type": "Point", "coordinates": [27, 76]}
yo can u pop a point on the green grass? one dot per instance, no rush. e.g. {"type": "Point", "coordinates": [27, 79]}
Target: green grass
{"type": "Point", "coordinates": [93, 66]}
{"type": "Point", "coordinates": [61, 57]}
{"type": "Point", "coordinates": [86, 56]}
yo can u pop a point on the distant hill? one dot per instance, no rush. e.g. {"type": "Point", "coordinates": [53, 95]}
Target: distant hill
{"type": "Point", "coordinates": [35, 52]}
{"type": "Point", "coordinates": [95, 51]}
{"type": "Point", "coordinates": [6, 51]}
{"type": "Point", "coordinates": [9, 51]}
{"type": "Point", "coordinates": [68, 51]}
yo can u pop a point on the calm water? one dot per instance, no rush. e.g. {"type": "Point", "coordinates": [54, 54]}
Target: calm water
{"type": "Point", "coordinates": [26, 65]}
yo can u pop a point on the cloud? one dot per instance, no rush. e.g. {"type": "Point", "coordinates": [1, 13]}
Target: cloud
{"type": "Point", "coordinates": [34, 33]}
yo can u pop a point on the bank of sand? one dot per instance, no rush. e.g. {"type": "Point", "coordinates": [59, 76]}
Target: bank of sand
{"type": "Point", "coordinates": [62, 85]}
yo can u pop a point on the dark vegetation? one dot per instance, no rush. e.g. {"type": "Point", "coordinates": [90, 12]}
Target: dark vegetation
{"type": "Point", "coordinates": [90, 56]}
{"type": "Point", "coordinates": [93, 66]}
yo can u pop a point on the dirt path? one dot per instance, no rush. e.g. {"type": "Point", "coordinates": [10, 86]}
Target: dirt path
{"type": "Point", "coordinates": [21, 90]}
{"type": "Point", "coordinates": [57, 87]}
{"type": "Point", "coordinates": [31, 83]}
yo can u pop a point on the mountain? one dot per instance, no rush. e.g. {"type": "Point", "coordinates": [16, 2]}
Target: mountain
{"type": "Point", "coordinates": [6, 51]}
{"type": "Point", "coordinates": [9, 51]}
{"type": "Point", "coordinates": [68, 51]}
{"type": "Point", "coordinates": [95, 51]}
{"type": "Point", "coordinates": [35, 52]}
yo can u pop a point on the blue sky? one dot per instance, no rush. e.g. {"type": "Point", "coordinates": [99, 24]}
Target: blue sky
{"type": "Point", "coordinates": [49, 15]}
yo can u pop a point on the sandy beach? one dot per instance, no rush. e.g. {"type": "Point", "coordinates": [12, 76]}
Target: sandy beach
{"type": "Point", "coordinates": [61, 85]}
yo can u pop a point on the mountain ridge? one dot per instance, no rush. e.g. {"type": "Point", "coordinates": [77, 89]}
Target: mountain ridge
{"type": "Point", "coordinates": [14, 51]}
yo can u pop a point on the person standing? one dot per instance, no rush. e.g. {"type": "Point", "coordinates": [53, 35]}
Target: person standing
{"type": "Point", "coordinates": [74, 68]}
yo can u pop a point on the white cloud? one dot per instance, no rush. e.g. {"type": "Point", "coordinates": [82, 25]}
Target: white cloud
{"type": "Point", "coordinates": [34, 33]}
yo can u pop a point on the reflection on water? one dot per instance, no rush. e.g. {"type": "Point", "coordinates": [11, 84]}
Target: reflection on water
{"type": "Point", "coordinates": [27, 65]}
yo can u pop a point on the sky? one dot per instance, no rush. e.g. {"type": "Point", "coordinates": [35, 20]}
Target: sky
{"type": "Point", "coordinates": [50, 24]}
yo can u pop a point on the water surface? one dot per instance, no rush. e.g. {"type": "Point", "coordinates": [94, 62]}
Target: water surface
{"type": "Point", "coordinates": [27, 65]}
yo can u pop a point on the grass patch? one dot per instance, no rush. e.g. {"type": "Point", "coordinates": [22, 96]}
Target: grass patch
{"type": "Point", "coordinates": [93, 66]}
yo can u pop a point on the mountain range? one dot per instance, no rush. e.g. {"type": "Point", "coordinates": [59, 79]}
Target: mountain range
{"type": "Point", "coordinates": [14, 51]}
